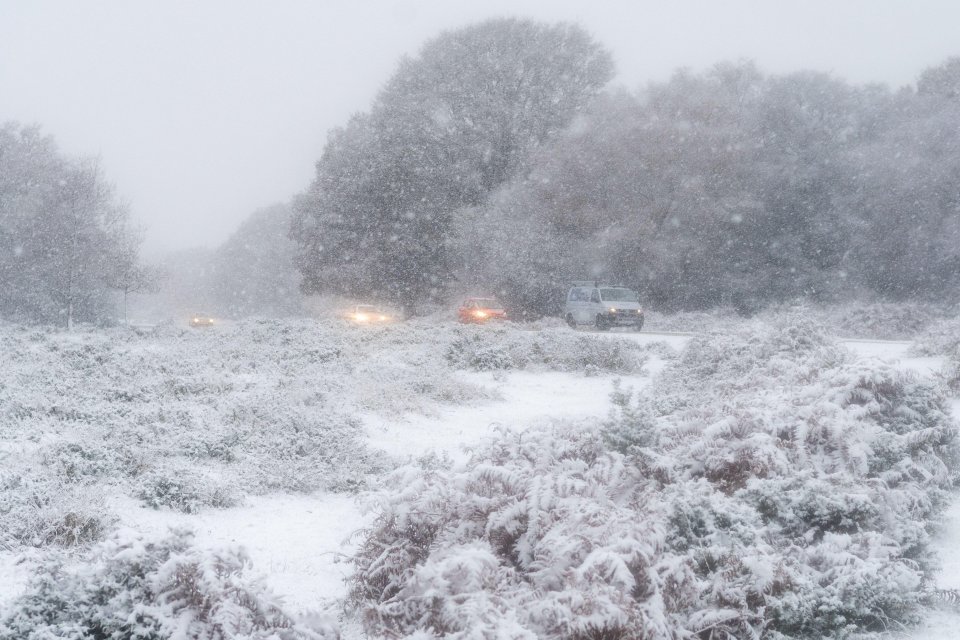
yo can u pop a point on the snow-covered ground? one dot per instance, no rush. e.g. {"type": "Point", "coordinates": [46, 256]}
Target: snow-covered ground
{"type": "Point", "coordinates": [523, 399]}
{"type": "Point", "coordinates": [299, 541]}
{"type": "Point", "coordinates": [527, 399]}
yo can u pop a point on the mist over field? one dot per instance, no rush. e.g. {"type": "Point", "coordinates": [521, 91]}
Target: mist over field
{"type": "Point", "coordinates": [528, 354]}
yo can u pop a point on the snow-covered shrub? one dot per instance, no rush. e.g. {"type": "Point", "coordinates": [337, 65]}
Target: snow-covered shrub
{"type": "Point", "coordinates": [39, 511]}
{"type": "Point", "coordinates": [878, 320]}
{"type": "Point", "coordinates": [951, 372]}
{"type": "Point", "coordinates": [74, 461]}
{"type": "Point", "coordinates": [633, 426]}
{"type": "Point", "coordinates": [733, 362]}
{"type": "Point", "coordinates": [940, 338]}
{"type": "Point", "coordinates": [395, 389]}
{"type": "Point", "coordinates": [692, 321]}
{"type": "Point", "coordinates": [492, 348]}
{"type": "Point", "coordinates": [473, 350]}
{"type": "Point", "coordinates": [830, 455]}
{"type": "Point", "coordinates": [184, 490]}
{"type": "Point", "coordinates": [481, 357]}
{"type": "Point", "coordinates": [537, 537]}
{"type": "Point", "coordinates": [259, 406]}
{"type": "Point", "coordinates": [299, 449]}
{"type": "Point", "coordinates": [769, 485]}
{"type": "Point", "coordinates": [131, 587]}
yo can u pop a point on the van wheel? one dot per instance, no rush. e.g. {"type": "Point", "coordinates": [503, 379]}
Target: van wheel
{"type": "Point", "coordinates": [571, 321]}
{"type": "Point", "coordinates": [601, 323]}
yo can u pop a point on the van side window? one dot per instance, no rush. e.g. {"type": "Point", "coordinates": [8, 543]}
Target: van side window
{"type": "Point", "coordinates": [595, 296]}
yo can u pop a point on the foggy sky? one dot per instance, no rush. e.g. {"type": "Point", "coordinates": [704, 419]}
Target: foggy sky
{"type": "Point", "coordinates": [203, 111]}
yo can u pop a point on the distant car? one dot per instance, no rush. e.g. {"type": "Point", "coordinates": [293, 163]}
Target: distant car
{"type": "Point", "coordinates": [201, 320]}
{"type": "Point", "coordinates": [480, 310]}
{"type": "Point", "coordinates": [368, 314]}
{"type": "Point", "coordinates": [602, 306]}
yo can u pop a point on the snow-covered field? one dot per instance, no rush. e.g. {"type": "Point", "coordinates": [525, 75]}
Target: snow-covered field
{"type": "Point", "coordinates": [146, 431]}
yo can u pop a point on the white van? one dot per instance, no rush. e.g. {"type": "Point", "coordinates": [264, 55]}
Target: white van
{"type": "Point", "coordinates": [603, 306]}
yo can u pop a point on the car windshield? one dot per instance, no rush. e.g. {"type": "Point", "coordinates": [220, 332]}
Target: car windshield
{"type": "Point", "coordinates": [488, 303]}
{"type": "Point", "coordinates": [618, 294]}
{"type": "Point", "coordinates": [366, 308]}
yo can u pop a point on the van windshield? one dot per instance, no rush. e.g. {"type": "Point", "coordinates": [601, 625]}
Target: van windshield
{"type": "Point", "coordinates": [617, 294]}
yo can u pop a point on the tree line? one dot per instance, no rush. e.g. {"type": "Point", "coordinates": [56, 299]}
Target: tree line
{"type": "Point", "coordinates": [69, 252]}
{"type": "Point", "coordinates": [496, 160]}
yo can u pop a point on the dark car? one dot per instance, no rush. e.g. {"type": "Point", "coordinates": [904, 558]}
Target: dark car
{"type": "Point", "coordinates": [480, 310]}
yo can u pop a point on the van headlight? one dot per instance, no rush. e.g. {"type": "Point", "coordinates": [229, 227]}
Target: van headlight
{"type": "Point", "coordinates": [613, 310]}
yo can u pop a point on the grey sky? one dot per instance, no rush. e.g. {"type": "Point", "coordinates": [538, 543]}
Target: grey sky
{"type": "Point", "coordinates": [203, 111]}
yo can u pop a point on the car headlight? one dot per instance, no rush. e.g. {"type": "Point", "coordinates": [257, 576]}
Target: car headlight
{"type": "Point", "coordinates": [613, 310]}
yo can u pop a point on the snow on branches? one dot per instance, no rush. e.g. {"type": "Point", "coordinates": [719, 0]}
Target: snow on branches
{"type": "Point", "coordinates": [769, 485]}
{"type": "Point", "coordinates": [132, 587]}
